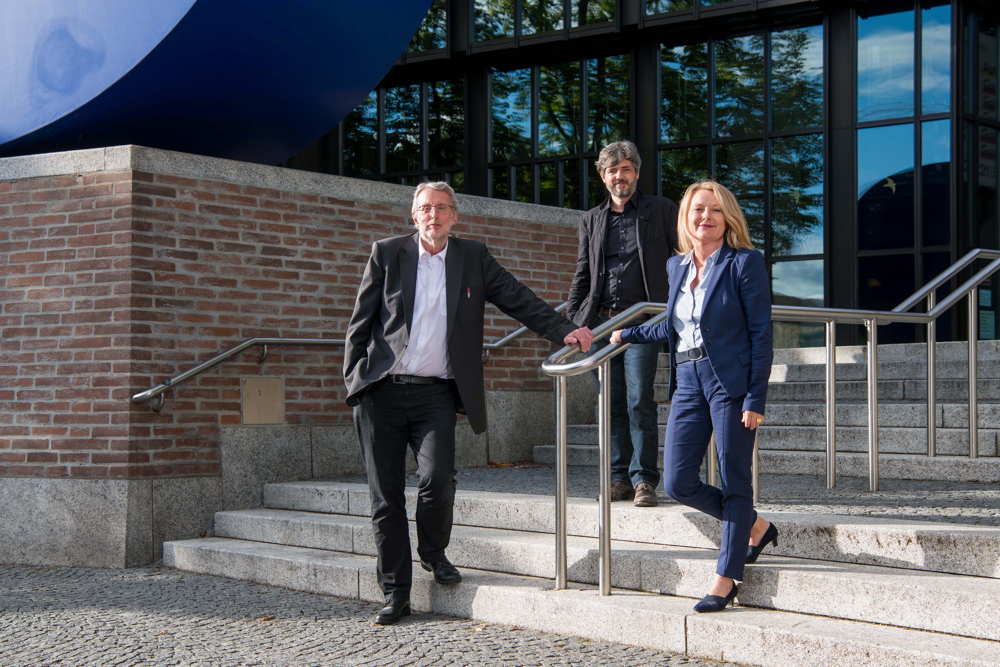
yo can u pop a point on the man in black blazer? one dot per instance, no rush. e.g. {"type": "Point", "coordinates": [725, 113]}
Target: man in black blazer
{"type": "Point", "coordinates": [413, 359]}
{"type": "Point", "coordinates": [622, 260]}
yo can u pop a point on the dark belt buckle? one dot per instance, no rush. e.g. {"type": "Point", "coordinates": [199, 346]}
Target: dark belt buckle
{"type": "Point", "coordinates": [695, 350]}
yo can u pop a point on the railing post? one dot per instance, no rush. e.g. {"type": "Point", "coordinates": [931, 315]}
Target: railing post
{"type": "Point", "coordinates": [931, 381]}
{"type": "Point", "coordinates": [561, 481]}
{"type": "Point", "coordinates": [831, 404]}
{"type": "Point", "coordinates": [755, 467]}
{"type": "Point", "coordinates": [711, 463]}
{"type": "Point", "coordinates": [604, 478]}
{"type": "Point", "coordinates": [973, 374]}
{"type": "Point", "coordinates": [872, 326]}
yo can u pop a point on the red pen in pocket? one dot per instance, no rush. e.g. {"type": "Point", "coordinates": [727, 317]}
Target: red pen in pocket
{"type": "Point", "coordinates": [468, 292]}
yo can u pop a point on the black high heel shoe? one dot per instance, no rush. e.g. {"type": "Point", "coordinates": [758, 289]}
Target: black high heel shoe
{"type": "Point", "coordinates": [770, 535]}
{"type": "Point", "coordinates": [716, 602]}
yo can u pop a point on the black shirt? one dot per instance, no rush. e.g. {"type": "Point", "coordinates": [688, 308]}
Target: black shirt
{"type": "Point", "coordinates": [623, 284]}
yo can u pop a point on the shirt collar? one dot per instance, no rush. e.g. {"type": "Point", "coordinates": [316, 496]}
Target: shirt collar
{"type": "Point", "coordinates": [423, 251]}
{"type": "Point", "coordinates": [688, 258]}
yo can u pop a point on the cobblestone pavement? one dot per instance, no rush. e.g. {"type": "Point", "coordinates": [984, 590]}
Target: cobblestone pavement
{"type": "Point", "coordinates": [897, 499]}
{"type": "Point", "coordinates": [157, 616]}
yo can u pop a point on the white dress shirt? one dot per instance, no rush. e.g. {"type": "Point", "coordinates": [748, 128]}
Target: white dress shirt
{"type": "Point", "coordinates": [691, 303]}
{"type": "Point", "coordinates": [427, 352]}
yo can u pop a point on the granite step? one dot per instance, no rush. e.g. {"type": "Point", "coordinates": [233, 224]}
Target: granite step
{"type": "Point", "coordinates": [885, 595]}
{"type": "Point", "coordinates": [743, 635]}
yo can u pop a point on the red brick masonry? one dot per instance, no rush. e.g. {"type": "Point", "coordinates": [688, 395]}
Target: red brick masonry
{"type": "Point", "coordinates": [115, 281]}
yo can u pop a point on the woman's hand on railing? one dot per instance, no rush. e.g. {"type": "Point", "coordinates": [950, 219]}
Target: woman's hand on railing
{"type": "Point", "coordinates": [582, 337]}
{"type": "Point", "coordinates": [616, 337]}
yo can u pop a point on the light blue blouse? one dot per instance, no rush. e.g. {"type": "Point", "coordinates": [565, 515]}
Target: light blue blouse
{"type": "Point", "coordinates": [687, 312]}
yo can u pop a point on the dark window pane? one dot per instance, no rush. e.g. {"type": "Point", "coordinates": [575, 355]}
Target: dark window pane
{"type": "Point", "coordinates": [494, 19]}
{"type": "Point", "coordinates": [798, 334]}
{"type": "Point", "coordinates": [571, 184]}
{"type": "Point", "coordinates": [361, 139]}
{"type": "Point", "coordinates": [740, 167]}
{"type": "Point", "coordinates": [541, 16]}
{"type": "Point", "coordinates": [797, 78]}
{"type": "Point", "coordinates": [596, 190]}
{"type": "Point", "coordinates": [524, 184]}
{"type": "Point", "coordinates": [885, 187]}
{"type": "Point", "coordinates": [547, 190]}
{"type": "Point", "coordinates": [500, 183]}
{"type": "Point", "coordinates": [511, 114]}
{"type": "Point", "coordinates": [446, 123]}
{"type": "Point", "coordinates": [706, 3]}
{"type": "Point", "coordinates": [402, 129]}
{"type": "Point", "coordinates": [684, 100]}
{"type": "Point", "coordinates": [936, 174]}
{"type": "Point", "coordinates": [739, 86]}
{"type": "Point", "coordinates": [984, 73]}
{"type": "Point", "coordinates": [883, 283]}
{"type": "Point", "coordinates": [936, 263]}
{"type": "Point", "coordinates": [559, 109]}
{"type": "Point", "coordinates": [679, 168]}
{"type": "Point", "coordinates": [885, 66]}
{"type": "Point", "coordinates": [662, 6]}
{"type": "Point", "coordinates": [608, 101]}
{"type": "Point", "coordinates": [935, 56]}
{"type": "Point", "coordinates": [797, 195]}
{"type": "Point", "coordinates": [798, 284]}
{"type": "Point", "coordinates": [457, 180]}
{"type": "Point", "coordinates": [588, 12]}
{"type": "Point", "coordinates": [983, 195]}
{"type": "Point", "coordinates": [433, 32]}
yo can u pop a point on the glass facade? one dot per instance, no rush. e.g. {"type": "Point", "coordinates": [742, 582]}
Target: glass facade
{"type": "Point", "coordinates": [861, 138]}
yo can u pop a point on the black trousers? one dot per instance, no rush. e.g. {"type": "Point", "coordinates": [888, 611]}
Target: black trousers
{"type": "Point", "coordinates": [390, 418]}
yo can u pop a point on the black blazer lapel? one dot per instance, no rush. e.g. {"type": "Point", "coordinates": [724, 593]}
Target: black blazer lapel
{"type": "Point", "coordinates": [453, 265]}
{"type": "Point", "coordinates": [409, 255]}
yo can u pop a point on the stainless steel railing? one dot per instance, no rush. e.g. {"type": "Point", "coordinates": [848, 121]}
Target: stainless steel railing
{"type": "Point", "coordinates": [830, 316]}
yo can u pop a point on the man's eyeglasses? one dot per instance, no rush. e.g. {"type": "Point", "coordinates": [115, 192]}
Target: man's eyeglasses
{"type": "Point", "coordinates": [440, 208]}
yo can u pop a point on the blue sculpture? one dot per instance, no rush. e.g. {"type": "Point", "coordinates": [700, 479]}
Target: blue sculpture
{"type": "Point", "coordinates": [254, 80]}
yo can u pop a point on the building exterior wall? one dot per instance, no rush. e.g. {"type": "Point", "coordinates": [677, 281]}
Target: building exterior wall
{"type": "Point", "coordinates": [123, 267]}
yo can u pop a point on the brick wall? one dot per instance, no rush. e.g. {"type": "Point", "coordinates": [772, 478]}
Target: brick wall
{"type": "Point", "coordinates": [113, 281]}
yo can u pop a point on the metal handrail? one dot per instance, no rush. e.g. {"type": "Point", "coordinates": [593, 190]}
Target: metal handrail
{"type": "Point", "coordinates": [155, 394]}
{"type": "Point", "coordinates": [870, 319]}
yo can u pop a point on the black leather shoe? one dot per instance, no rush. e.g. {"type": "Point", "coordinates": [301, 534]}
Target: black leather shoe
{"type": "Point", "coordinates": [393, 610]}
{"type": "Point", "coordinates": [716, 602]}
{"type": "Point", "coordinates": [771, 535]}
{"type": "Point", "coordinates": [444, 571]}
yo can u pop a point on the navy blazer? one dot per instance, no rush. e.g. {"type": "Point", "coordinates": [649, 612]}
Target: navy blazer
{"type": "Point", "coordinates": [379, 330]}
{"type": "Point", "coordinates": [735, 324]}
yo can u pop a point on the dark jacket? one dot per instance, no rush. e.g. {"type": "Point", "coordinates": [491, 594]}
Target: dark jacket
{"type": "Point", "coordinates": [379, 329]}
{"type": "Point", "coordinates": [735, 325]}
{"type": "Point", "coordinates": [657, 220]}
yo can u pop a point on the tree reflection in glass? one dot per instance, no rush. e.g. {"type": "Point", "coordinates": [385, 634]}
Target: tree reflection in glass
{"type": "Point", "coordinates": [679, 168]}
{"type": "Point", "coordinates": [684, 86]}
{"type": "Point", "coordinates": [589, 12]}
{"type": "Point", "coordinates": [797, 78]}
{"type": "Point", "coordinates": [494, 19]}
{"type": "Point", "coordinates": [402, 128]}
{"type": "Point", "coordinates": [608, 101]}
{"type": "Point", "coordinates": [433, 31]}
{"type": "Point", "coordinates": [663, 6]}
{"type": "Point", "coordinates": [559, 109]}
{"type": "Point", "coordinates": [445, 123]}
{"type": "Point", "coordinates": [360, 151]}
{"type": "Point", "coordinates": [571, 184]}
{"type": "Point", "coordinates": [739, 86]}
{"type": "Point", "coordinates": [541, 16]}
{"type": "Point", "coordinates": [511, 126]}
{"type": "Point", "coordinates": [740, 167]}
{"type": "Point", "coordinates": [797, 195]}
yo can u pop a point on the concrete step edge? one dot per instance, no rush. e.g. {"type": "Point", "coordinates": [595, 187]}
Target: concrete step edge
{"type": "Point", "coordinates": [855, 592]}
{"type": "Point", "coordinates": [744, 635]}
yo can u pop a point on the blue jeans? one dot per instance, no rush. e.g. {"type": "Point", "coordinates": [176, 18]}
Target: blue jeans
{"type": "Point", "coordinates": [634, 441]}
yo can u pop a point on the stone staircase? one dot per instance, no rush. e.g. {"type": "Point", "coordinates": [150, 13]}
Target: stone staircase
{"type": "Point", "coordinates": [793, 440]}
{"type": "Point", "coordinates": [839, 591]}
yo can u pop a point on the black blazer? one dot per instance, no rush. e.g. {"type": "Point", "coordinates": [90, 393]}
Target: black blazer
{"type": "Point", "coordinates": [657, 220]}
{"type": "Point", "coordinates": [379, 329]}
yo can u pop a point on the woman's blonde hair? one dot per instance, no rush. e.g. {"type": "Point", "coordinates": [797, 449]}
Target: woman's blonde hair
{"type": "Point", "coordinates": [737, 232]}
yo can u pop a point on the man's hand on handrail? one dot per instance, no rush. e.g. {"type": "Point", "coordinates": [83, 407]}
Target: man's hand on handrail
{"type": "Point", "coordinates": [616, 337]}
{"type": "Point", "coordinates": [582, 336]}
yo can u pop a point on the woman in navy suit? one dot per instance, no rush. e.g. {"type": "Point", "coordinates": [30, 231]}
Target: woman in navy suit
{"type": "Point", "coordinates": [719, 337]}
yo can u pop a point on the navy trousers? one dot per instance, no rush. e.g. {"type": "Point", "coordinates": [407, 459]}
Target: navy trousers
{"type": "Point", "coordinates": [390, 419]}
{"type": "Point", "coordinates": [699, 406]}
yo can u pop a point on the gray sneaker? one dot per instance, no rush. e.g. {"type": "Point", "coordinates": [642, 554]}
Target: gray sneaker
{"type": "Point", "coordinates": [645, 495]}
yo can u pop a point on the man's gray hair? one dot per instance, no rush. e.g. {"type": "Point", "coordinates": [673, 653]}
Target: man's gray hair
{"type": "Point", "coordinates": [434, 185]}
{"type": "Point", "coordinates": [615, 153]}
